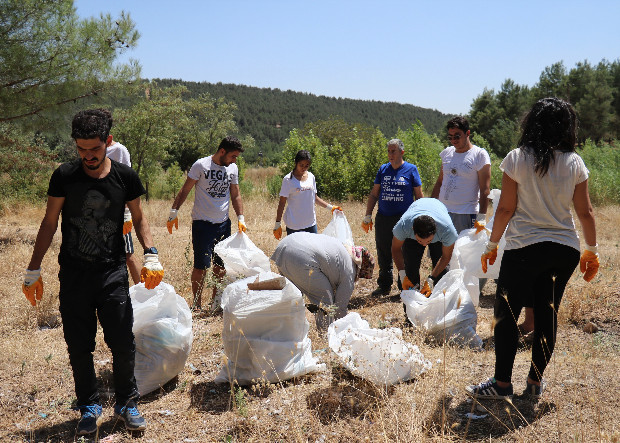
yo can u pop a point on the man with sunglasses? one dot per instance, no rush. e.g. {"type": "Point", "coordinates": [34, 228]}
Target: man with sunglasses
{"type": "Point", "coordinates": [465, 177]}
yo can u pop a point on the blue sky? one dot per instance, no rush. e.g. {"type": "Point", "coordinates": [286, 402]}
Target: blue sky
{"type": "Point", "coordinates": [435, 54]}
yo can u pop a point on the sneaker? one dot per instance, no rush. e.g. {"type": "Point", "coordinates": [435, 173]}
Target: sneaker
{"type": "Point", "coordinates": [489, 389]}
{"type": "Point", "coordinates": [533, 391]}
{"type": "Point", "coordinates": [130, 415]}
{"type": "Point", "coordinates": [91, 419]}
{"type": "Point", "coordinates": [380, 291]}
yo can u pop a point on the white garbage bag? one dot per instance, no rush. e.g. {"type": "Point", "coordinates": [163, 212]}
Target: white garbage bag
{"type": "Point", "coordinates": [339, 227]}
{"type": "Point", "coordinates": [162, 327]}
{"type": "Point", "coordinates": [241, 256]}
{"type": "Point", "coordinates": [378, 355]}
{"type": "Point", "coordinates": [469, 248]}
{"type": "Point", "coordinates": [448, 314]}
{"type": "Point", "coordinates": [265, 334]}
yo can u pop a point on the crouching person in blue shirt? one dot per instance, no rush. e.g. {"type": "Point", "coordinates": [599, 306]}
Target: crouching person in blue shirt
{"type": "Point", "coordinates": [427, 222]}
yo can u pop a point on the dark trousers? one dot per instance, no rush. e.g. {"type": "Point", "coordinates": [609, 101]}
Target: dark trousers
{"type": "Point", "coordinates": [412, 252]}
{"type": "Point", "coordinates": [537, 273]}
{"type": "Point", "coordinates": [311, 229]}
{"type": "Point", "coordinates": [86, 295]}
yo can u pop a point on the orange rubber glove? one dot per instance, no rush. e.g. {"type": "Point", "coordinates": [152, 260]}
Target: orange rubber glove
{"type": "Point", "coordinates": [489, 255]}
{"type": "Point", "coordinates": [241, 223]}
{"type": "Point", "coordinates": [172, 220]}
{"type": "Point", "coordinates": [127, 223]}
{"type": "Point", "coordinates": [334, 208]}
{"type": "Point", "coordinates": [33, 286]}
{"type": "Point", "coordinates": [152, 272]}
{"type": "Point", "coordinates": [367, 223]}
{"type": "Point", "coordinates": [589, 263]}
{"type": "Point", "coordinates": [277, 231]}
{"type": "Point", "coordinates": [480, 223]}
{"type": "Point", "coordinates": [405, 283]}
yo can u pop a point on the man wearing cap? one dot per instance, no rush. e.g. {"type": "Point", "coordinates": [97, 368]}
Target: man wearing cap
{"type": "Point", "coordinates": [427, 223]}
{"type": "Point", "coordinates": [324, 269]}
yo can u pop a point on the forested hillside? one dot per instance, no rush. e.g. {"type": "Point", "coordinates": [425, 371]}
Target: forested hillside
{"type": "Point", "coordinates": [268, 115]}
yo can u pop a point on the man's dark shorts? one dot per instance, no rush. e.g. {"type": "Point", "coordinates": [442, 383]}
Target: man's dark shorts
{"type": "Point", "coordinates": [205, 235]}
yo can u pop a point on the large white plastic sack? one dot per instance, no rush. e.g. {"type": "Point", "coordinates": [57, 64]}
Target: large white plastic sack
{"type": "Point", "coordinates": [265, 334]}
{"type": "Point", "coordinates": [241, 256]}
{"type": "Point", "coordinates": [378, 355]}
{"type": "Point", "coordinates": [469, 248]}
{"type": "Point", "coordinates": [448, 314]}
{"type": "Point", "coordinates": [162, 328]}
{"type": "Point", "coordinates": [339, 228]}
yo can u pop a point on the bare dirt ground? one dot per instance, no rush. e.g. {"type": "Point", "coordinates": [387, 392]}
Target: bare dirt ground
{"type": "Point", "coordinates": [582, 402]}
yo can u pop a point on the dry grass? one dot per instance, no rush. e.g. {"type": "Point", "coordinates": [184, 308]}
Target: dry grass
{"type": "Point", "coordinates": [582, 401]}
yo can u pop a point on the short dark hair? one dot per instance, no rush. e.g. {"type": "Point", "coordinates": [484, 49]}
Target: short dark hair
{"type": "Point", "coordinates": [91, 123]}
{"type": "Point", "coordinates": [424, 226]}
{"type": "Point", "coordinates": [303, 155]}
{"type": "Point", "coordinates": [458, 122]}
{"type": "Point", "coordinates": [551, 125]}
{"type": "Point", "coordinates": [230, 143]}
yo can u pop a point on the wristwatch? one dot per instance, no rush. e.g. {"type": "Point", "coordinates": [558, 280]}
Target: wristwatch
{"type": "Point", "coordinates": [151, 250]}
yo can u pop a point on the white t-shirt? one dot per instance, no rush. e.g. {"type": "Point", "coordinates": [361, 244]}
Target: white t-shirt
{"type": "Point", "coordinates": [300, 198]}
{"type": "Point", "coordinates": [118, 152]}
{"type": "Point", "coordinates": [460, 188]}
{"type": "Point", "coordinates": [543, 203]}
{"type": "Point", "coordinates": [212, 189]}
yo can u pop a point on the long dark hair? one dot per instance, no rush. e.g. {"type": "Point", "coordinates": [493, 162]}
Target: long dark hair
{"type": "Point", "coordinates": [301, 156]}
{"type": "Point", "coordinates": [551, 125]}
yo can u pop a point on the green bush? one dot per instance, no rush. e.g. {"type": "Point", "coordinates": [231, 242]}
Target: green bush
{"type": "Point", "coordinates": [603, 162]}
{"type": "Point", "coordinates": [422, 150]}
{"type": "Point", "coordinates": [26, 166]}
{"type": "Point", "coordinates": [342, 169]}
{"type": "Point", "coordinates": [273, 186]}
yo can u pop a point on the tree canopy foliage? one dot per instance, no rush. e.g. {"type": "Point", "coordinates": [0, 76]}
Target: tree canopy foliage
{"type": "Point", "coordinates": [50, 57]}
{"type": "Point", "coordinates": [594, 91]}
{"type": "Point", "coordinates": [269, 115]}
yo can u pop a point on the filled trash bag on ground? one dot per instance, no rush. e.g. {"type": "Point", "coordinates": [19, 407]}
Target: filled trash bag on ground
{"type": "Point", "coordinates": [378, 355]}
{"type": "Point", "coordinates": [162, 327]}
{"type": "Point", "coordinates": [265, 334]}
{"type": "Point", "coordinates": [448, 314]}
{"type": "Point", "coordinates": [241, 256]}
{"type": "Point", "coordinates": [339, 228]}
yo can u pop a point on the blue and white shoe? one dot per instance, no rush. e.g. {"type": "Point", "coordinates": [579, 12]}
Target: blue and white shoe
{"type": "Point", "coordinates": [489, 390]}
{"type": "Point", "coordinates": [91, 419]}
{"type": "Point", "coordinates": [130, 415]}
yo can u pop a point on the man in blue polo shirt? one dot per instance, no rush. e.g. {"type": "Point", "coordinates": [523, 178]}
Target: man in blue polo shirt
{"type": "Point", "coordinates": [428, 223]}
{"type": "Point", "coordinates": [396, 186]}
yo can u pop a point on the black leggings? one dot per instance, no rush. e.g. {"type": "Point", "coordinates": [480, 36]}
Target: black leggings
{"type": "Point", "coordinates": [537, 273]}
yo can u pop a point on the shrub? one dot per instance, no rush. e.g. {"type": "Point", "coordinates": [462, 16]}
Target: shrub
{"type": "Point", "coordinates": [26, 166]}
{"type": "Point", "coordinates": [603, 162]}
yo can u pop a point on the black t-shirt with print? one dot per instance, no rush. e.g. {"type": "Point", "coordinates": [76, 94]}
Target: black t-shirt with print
{"type": "Point", "coordinates": [92, 213]}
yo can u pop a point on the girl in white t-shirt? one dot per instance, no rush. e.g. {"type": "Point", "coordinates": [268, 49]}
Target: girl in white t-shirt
{"type": "Point", "coordinates": [299, 191]}
{"type": "Point", "coordinates": [542, 179]}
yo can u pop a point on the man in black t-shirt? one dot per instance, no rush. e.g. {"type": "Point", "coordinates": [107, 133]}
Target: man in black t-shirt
{"type": "Point", "coordinates": [91, 192]}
